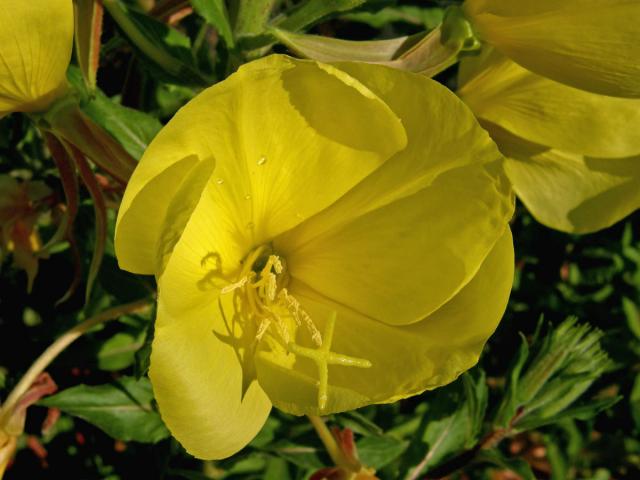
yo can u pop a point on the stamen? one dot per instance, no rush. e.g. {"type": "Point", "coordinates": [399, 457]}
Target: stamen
{"type": "Point", "coordinates": [300, 315]}
{"type": "Point", "coordinates": [234, 286]}
{"type": "Point", "coordinates": [259, 300]}
{"type": "Point", "coordinates": [323, 357]}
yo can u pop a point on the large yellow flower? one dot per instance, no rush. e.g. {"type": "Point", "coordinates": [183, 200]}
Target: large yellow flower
{"type": "Point", "coordinates": [36, 40]}
{"type": "Point", "coordinates": [572, 156]}
{"type": "Point", "coordinates": [589, 44]}
{"type": "Point", "coordinates": [324, 237]}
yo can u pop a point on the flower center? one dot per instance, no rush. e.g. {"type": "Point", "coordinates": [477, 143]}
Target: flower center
{"type": "Point", "coordinates": [263, 299]}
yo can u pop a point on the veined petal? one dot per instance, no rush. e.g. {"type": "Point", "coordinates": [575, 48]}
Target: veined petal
{"type": "Point", "coordinates": [358, 250]}
{"type": "Point", "coordinates": [570, 192]}
{"type": "Point", "coordinates": [401, 262]}
{"type": "Point", "coordinates": [547, 112]}
{"type": "Point", "coordinates": [197, 376]}
{"type": "Point", "coordinates": [589, 44]}
{"type": "Point", "coordinates": [270, 163]}
{"type": "Point", "coordinates": [35, 49]}
{"type": "Point", "coordinates": [408, 359]}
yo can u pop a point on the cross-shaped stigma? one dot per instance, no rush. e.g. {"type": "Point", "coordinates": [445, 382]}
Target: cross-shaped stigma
{"type": "Point", "coordinates": [323, 357]}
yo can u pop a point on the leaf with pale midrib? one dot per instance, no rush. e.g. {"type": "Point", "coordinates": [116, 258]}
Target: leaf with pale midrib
{"type": "Point", "coordinates": [123, 409]}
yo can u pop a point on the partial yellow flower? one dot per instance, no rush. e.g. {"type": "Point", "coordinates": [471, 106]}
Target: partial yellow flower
{"type": "Point", "coordinates": [572, 156]}
{"type": "Point", "coordinates": [324, 237]}
{"type": "Point", "coordinates": [36, 41]}
{"type": "Point", "coordinates": [589, 44]}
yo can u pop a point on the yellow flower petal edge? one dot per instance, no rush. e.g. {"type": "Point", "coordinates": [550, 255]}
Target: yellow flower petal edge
{"type": "Point", "coordinates": [36, 41]}
{"type": "Point", "coordinates": [593, 45]}
{"type": "Point", "coordinates": [411, 359]}
{"type": "Point", "coordinates": [238, 109]}
{"type": "Point", "coordinates": [197, 381]}
{"type": "Point", "coordinates": [547, 112]}
{"type": "Point", "coordinates": [355, 173]}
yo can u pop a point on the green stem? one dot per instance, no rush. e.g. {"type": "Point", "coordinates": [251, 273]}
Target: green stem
{"type": "Point", "coordinates": [43, 361]}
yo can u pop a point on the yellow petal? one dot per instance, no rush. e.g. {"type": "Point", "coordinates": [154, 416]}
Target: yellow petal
{"type": "Point", "coordinates": [400, 263]}
{"type": "Point", "coordinates": [550, 113]}
{"type": "Point", "coordinates": [36, 40]}
{"type": "Point", "coordinates": [589, 44]}
{"type": "Point", "coordinates": [401, 244]}
{"type": "Point", "coordinates": [571, 192]}
{"type": "Point", "coordinates": [274, 130]}
{"type": "Point", "coordinates": [197, 380]}
{"type": "Point", "coordinates": [406, 360]}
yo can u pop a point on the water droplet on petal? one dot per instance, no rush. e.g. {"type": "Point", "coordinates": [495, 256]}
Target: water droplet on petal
{"type": "Point", "coordinates": [220, 181]}
{"type": "Point", "coordinates": [250, 226]}
{"type": "Point", "coordinates": [262, 160]}
{"type": "Point", "coordinates": [247, 197]}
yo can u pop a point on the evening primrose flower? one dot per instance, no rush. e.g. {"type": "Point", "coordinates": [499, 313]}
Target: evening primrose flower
{"type": "Point", "coordinates": [36, 41]}
{"type": "Point", "coordinates": [573, 156]}
{"type": "Point", "coordinates": [323, 237]}
{"type": "Point", "coordinates": [593, 45]}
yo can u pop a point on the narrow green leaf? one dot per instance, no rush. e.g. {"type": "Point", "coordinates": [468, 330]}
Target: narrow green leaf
{"type": "Point", "coordinates": [88, 30]}
{"type": "Point", "coordinates": [632, 313]}
{"type": "Point", "coordinates": [427, 54]}
{"type": "Point", "coordinates": [123, 409]}
{"type": "Point", "coordinates": [119, 351]}
{"type": "Point", "coordinates": [310, 11]}
{"type": "Point", "coordinates": [215, 14]}
{"type": "Point", "coordinates": [516, 465]}
{"type": "Point", "coordinates": [327, 49]}
{"type": "Point", "coordinates": [100, 210]}
{"type": "Point", "coordinates": [378, 451]}
{"type": "Point", "coordinates": [166, 51]}
{"type": "Point", "coordinates": [133, 129]}
{"type": "Point", "coordinates": [428, 18]}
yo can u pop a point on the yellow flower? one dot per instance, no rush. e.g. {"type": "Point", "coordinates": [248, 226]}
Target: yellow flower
{"type": "Point", "coordinates": [572, 156]}
{"type": "Point", "coordinates": [36, 40]}
{"type": "Point", "coordinates": [589, 44]}
{"type": "Point", "coordinates": [324, 237]}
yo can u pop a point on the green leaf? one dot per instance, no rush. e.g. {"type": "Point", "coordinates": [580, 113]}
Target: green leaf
{"type": "Point", "coordinates": [358, 423]}
{"type": "Point", "coordinates": [133, 129]}
{"type": "Point", "coordinates": [516, 465]}
{"type": "Point", "coordinates": [429, 18]}
{"type": "Point", "coordinates": [301, 455]}
{"type": "Point", "coordinates": [215, 14]}
{"type": "Point", "coordinates": [142, 356]}
{"type": "Point", "coordinates": [310, 11]}
{"type": "Point", "coordinates": [165, 51]}
{"type": "Point", "coordinates": [449, 426]}
{"type": "Point", "coordinates": [119, 351]}
{"type": "Point", "coordinates": [581, 412]}
{"type": "Point", "coordinates": [632, 313]}
{"type": "Point", "coordinates": [123, 409]}
{"type": "Point", "coordinates": [379, 450]}
{"type": "Point", "coordinates": [277, 469]}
